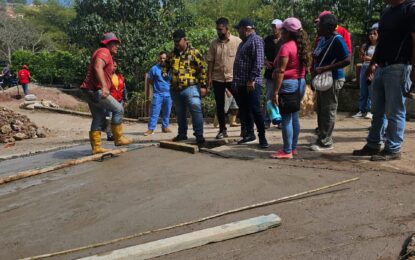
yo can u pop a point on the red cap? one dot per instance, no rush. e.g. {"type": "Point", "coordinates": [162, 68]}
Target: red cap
{"type": "Point", "coordinates": [109, 37]}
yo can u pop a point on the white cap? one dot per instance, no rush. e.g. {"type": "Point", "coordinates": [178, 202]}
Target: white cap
{"type": "Point", "coordinates": [375, 26]}
{"type": "Point", "coordinates": [278, 23]}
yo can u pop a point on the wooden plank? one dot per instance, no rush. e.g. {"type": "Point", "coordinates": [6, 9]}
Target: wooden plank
{"type": "Point", "coordinates": [183, 147]}
{"type": "Point", "coordinates": [193, 239]}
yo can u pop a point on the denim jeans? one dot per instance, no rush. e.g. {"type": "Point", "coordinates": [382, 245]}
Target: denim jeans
{"type": "Point", "coordinates": [25, 88]}
{"type": "Point", "coordinates": [99, 107]}
{"type": "Point", "coordinates": [161, 102]}
{"type": "Point", "coordinates": [389, 85]}
{"type": "Point", "coordinates": [219, 91]}
{"type": "Point", "coordinates": [290, 124]}
{"type": "Point", "coordinates": [250, 110]}
{"type": "Point", "coordinates": [365, 103]}
{"type": "Point", "coordinates": [188, 97]}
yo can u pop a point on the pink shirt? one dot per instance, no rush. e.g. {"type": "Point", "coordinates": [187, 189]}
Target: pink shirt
{"type": "Point", "coordinates": [289, 49]}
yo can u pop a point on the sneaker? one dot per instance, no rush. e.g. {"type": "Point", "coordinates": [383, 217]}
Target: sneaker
{"type": "Point", "coordinates": [222, 134]}
{"type": "Point", "coordinates": [368, 115]}
{"type": "Point", "coordinates": [267, 126]}
{"type": "Point", "coordinates": [294, 152]}
{"type": "Point", "coordinates": [366, 151]}
{"type": "Point", "coordinates": [386, 156]}
{"type": "Point", "coordinates": [200, 139]}
{"type": "Point", "coordinates": [247, 139]}
{"type": "Point", "coordinates": [318, 147]}
{"type": "Point", "coordinates": [316, 131]}
{"type": "Point", "coordinates": [179, 138]}
{"type": "Point", "coordinates": [148, 132]}
{"type": "Point", "coordinates": [280, 154]}
{"type": "Point", "coordinates": [166, 130]}
{"type": "Point", "coordinates": [263, 143]}
{"type": "Point", "coordinates": [110, 137]}
{"type": "Point", "coordinates": [358, 115]}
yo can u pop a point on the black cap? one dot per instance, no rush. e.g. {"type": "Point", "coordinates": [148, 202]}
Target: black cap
{"type": "Point", "coordinates": [245, 23]}
{"type": "Point", "coordinates": [179, 34]}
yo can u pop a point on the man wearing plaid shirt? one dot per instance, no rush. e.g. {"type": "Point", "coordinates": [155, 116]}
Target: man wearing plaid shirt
{"type": "Point", "coordinates": [247, 82]}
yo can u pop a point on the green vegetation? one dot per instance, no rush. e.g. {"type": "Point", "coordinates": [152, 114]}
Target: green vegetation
{"type": "Point", "coordinates": [56, 41]}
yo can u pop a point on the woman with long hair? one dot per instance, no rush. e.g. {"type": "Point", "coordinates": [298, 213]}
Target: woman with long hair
{"type": "Point", "coordinates": [291, 63]}
{"type": "Point", "coordinates": [366, 54]}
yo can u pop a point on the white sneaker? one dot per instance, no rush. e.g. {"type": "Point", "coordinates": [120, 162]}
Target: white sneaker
{"type": "Point", "coordinates": [368, 115]}
{"type": "Point", "coordinates": [358, 115]}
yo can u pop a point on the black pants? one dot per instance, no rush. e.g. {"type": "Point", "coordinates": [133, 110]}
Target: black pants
{"type": "Point", "coordinates": [219, 90]}
{"type": "Point", "coordinates": [250, 110]}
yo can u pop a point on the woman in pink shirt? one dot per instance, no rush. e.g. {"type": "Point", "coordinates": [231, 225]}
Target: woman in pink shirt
{"type": "Point", "coordinates": [291, 63]}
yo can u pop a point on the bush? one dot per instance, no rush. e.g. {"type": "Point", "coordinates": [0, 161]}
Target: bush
{"type": "Point", "coordinates": [51, 68]}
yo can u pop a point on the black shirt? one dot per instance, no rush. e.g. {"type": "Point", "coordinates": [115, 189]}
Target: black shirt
{"type": "Point", "coordinates": [395, 28]}
{"type": "Point", "coordinates": [271, 50]}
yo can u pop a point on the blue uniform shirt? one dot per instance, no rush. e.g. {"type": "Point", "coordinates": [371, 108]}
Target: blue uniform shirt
{"type": "Point", "coordinates": [160, 84]}
{"type": "Point", "coordinates": [338, 52]}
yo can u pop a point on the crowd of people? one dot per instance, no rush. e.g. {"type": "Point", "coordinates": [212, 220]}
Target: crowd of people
{"type": "Point", "coordinates": [233, 70]}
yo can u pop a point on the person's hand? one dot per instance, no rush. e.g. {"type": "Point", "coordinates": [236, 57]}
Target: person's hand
{"type": "Point", "coordinates": [370, 72]}
{"type": "Point", "coordinates": [203, 92]}
{"type": "Point", "coordinates": [275, 99]}
{"type": "Point", "coordinates": [250, 85]}
{"type": "Point", "coordinates": [209, 83]}
{"type": "Point", "coordinates": [268, 64]}
{"type": "Point", "coordinates": [319, 70]}
{"type": "Point", "coordinates": [125, 104]}
{"type": "Point", "coordinates": [228, 93]}
{"type": "Point", "coordinates": [105, 93]}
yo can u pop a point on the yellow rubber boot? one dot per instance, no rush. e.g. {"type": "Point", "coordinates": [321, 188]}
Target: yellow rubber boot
{"type": "Point", "coordinates": [119, 138]}
{"type": "Point", "coordinates": [232, 121]}
{"type": "Point", "coordinates": [95, 139]}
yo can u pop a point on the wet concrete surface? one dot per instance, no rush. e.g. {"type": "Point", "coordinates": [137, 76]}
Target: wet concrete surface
{"type": "Point", "coordinates": [153, 188]}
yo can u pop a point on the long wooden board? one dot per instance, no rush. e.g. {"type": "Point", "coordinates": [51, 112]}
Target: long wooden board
{"type": "Point", "coordinates": [193, 239]}
{"type": "Point", "coordinates": [179, 146]}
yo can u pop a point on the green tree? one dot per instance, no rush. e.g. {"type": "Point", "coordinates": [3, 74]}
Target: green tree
{"type": "Point", "coordinates": [140, 25]}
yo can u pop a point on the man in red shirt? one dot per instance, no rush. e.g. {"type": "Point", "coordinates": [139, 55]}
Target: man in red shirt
{"type": "Point", "coordinates": [96, 88]}
{"type": "Point", "coordinates": [24, 78]}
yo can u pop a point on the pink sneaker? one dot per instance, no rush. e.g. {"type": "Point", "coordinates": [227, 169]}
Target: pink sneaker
{"type": "Point", "coordinates": [280, 154]}
{"type": "Point", "coordinates": [294, 152]}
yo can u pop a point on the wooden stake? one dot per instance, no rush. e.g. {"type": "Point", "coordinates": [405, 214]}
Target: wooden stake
{"type": "Point", "coordinates": [29, 173]}
{"type": "Point", "coordinates": [262, 204]}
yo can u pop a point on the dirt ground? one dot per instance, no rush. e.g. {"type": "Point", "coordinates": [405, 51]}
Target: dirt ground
{"type": "Point", "coordinates": [152, 188]}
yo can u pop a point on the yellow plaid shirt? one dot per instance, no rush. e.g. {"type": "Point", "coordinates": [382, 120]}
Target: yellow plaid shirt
{"type": "Point", "coordinates": [187, 69]}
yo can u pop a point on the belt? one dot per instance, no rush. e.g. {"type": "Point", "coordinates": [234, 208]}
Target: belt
{"type": "Point", "coordinates": [387, 63]}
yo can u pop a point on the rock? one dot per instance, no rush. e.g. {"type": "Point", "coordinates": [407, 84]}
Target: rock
{"type": "Point", "coordinates": [16, 128]}
{"type": "Point", "coordinates": [20, 136]}
{"type": "Point", "coordinates": [40, 133]}
{"type": "Point", "coordinates": [30, 97]}
{"type": "Point", "coordinates": [6, 129]}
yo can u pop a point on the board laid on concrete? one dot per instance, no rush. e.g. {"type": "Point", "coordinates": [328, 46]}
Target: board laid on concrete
{"type": "Point", "coordinates": [193, 239]}
{"type": "Point", "coordinates": [179, 146]}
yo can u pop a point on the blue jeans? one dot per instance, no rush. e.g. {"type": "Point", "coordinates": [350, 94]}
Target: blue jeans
{"type": "Point", "coordinates": [250, 110]}
{"type": "Point", "coordinates": [99, 107]}
{"type": "Point", "coordinates": [389, 85]}
{"type": "Point", "coordinates": [365, 103]}
{"type": "Point", "coordinates": [290, 124]}
{"type": "Point", "coordinates": [161, 102]}
{"type": "Point", "coordinates": [25, 89]}
{"type": "Point", "coordinates": [188, 97]}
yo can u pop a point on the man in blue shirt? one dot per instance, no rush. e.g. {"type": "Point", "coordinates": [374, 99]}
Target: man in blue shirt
{"type": "Point", "coordinates": [247, 81]}
{"type": "Point", "coordinates": [161, 96]}
{"type": "Point", "coordinates": [331, 54]}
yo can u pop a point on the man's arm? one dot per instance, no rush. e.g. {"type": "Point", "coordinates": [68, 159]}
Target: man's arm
{"type": "Point", "coordinates": [210, 72]}
{"type": "Point", "coordinates": [258, 52]}
{"type": "Point", "coordinates": [99, 72]}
